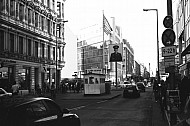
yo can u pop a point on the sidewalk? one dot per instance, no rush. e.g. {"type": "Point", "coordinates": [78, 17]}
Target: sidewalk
{"type": "Point", "coordinates": [157, 119]}
{"type": "Point", "coordinates": [81, 96]}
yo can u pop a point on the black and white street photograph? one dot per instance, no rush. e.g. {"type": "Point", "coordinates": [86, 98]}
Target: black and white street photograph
{"type": "Point", "coordinates": [94, 63]}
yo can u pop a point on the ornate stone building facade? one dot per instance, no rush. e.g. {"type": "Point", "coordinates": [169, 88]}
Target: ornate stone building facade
{"type": "Point", "coordinates": [31, 42]}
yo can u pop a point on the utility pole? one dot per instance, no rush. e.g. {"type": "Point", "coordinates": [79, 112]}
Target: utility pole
{"type": "Point", "coordinates": [173, 116]}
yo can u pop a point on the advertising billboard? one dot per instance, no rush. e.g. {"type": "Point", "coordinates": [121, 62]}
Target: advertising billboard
{"type": "Point", "coordinates": [115, 52]}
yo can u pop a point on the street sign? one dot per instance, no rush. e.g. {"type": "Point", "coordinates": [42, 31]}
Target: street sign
{"type": "Point", "coordinates": [169, 51]}
{"type": "Point", "coordinates": [168, 37]}
{"type": "Point", "coordinates": [169, 61]}
{"type": "Point", "coordinates": [168, 21]}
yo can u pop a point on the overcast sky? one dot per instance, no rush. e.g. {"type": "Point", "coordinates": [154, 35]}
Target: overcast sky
{"type": "Point", "coordinates": [138, 26]}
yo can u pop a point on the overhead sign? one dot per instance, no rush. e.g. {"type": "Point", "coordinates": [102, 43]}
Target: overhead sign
{"type": "Point", "coordinates": [168, 37]}
{"type": "Point", "coordinates": [169, 51]}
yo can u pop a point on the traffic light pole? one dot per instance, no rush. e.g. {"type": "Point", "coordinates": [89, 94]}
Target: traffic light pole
{"type": "Point", "coordinates": [173, 116]}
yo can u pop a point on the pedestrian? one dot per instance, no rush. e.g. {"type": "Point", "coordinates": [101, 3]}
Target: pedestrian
{"type": "Point", "coordinates": [44, 87]}
{"type": "Point", "coordinates": [163, 93]}
{"type": "Point", "coordinates": [156, 90]}
{"type": "Point", "coordinates": [78, 86]}
{"type": "Point", "coordinates": [38, 90]}
{"type": "Point", "coordinates": [183, 91]}
{"type": "Point", "coordinates": [53, 95]}
{"type": "Point", "coordinates": [15, 88]}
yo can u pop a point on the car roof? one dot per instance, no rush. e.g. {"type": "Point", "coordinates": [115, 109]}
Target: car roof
{"type": "Point", "coordinates": [19, 100]}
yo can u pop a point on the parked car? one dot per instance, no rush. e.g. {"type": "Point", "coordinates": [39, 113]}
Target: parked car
{"type": "Point", "coordinates": [131, 91]}
{"type": "Point", "coordinates": [141, 86]}
{"type": "Point", "coordinates": [4, 93]}
{"type": "Point", "coordinates": [30, 111]}
{"type": "Point", "coordinates": [124, 84]}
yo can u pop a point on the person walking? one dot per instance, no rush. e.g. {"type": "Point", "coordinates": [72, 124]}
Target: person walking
{"type": "Point", "coordinates": [183, 91]}
{"type": "Point", "coordinates": [15, 88]}
{"type": "Point", "coordinates": [156, 90]}
{"type": "Point", "coordinates": [163, 93]}
{"type": "Point", "coordinates": [53, 95]}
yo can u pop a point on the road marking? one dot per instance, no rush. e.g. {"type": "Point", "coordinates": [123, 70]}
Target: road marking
{"type": "Point", "coordinates": [102, 101]}
{"type": "Point", "coordinates": [80, 107]}
{"type": "Point", "coordinates": [77, 108]}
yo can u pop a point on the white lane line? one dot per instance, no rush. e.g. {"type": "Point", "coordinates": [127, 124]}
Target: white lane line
{"type": "Point", "coordinates": [80, 107]}
{"type": "Point", "coordinates": [102, 101]}
{"type": "Point", "coordinates": [77, 108]}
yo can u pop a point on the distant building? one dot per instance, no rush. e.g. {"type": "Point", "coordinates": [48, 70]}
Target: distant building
{"type": "Point", "coordinates": [90, 48]}
{"type": "Point", "coordinates": [182, 30]}
{"type": "Point", "coordinates": [128, 62]}
{"type": "Point", "coordinates": [28, 42]}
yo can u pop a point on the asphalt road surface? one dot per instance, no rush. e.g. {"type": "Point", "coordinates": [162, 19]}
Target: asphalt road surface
{"type": "Point", "coordinates": [115, 112]}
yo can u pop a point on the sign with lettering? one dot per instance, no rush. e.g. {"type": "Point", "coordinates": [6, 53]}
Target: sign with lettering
{"type": "Point", "coordinates": [169, 51]}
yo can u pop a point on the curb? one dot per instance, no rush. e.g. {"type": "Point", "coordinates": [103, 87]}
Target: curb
{"type": "Point", "coordinates": [91, 98]}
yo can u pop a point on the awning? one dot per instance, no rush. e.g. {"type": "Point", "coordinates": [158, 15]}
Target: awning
{"type": "Point", "coordinates": [186, 51]}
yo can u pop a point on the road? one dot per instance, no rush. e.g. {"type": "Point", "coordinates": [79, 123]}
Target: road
{"type": "Point", "coordinates": [115, 112]}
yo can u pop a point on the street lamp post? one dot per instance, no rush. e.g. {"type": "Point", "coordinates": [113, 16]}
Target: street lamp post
{"type": "Point", "coordinates": [158, 73]}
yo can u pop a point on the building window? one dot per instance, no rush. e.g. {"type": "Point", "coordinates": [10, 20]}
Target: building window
{"type": "Point", "coordinates": [58, 30]}
{"type": "Point", "coordinates": [40, 22]}
{"type": "Point", "coordinates": [20, 44]}
{"type": "Point", "coordinates": [12, 45]}
{"type": "Point", "coordinates": [1, 40]}
{"type": "Point", "coordinates": [36, 49]}
{"type": "Point", "coordinates": [12, 7]}
{"type": "Point", "coordinates": [49, 26]}
{"type": "Point", "coordinates": [49, 52]}
{"type": "Point", "coordinates": [43, 50]}
{"type": "Point", "coordinates": [59, 9]}
{"type": "Point", "coordinates": [7, 6]}
{"type": "Point", "coordinates": [21, 12]}
{"type": "Point", "coordinates": [42, 25]}
{"type": "Point", "coordinates": [36, 19]}
{"type": "Point", "coordinates": [29, 15]}
{"type": "Point", "coordinates": [45, 24]}
{"type": "Point", "coordinates": [53, 2]}
{"type": "Point", "coordinates": [48, 3]}
{"type": "Point", "coordinates": [2, 5]}
{"type": "Point", "coordinates": [33, 17]}
{"type": "Point", "coordinates": [53, 28]}
{"type": "Point", "coordinates": [62, 9]}
{"type": "Point", "coordinates": [53, 53]}
{"type": "Point", "coordinates": [29, 47]}
{"type": "Point", "coordinates": [42, 2]}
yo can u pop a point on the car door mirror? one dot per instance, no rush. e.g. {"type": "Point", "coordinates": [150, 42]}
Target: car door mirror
{"type": "Point", "coordinates": [65, 111]}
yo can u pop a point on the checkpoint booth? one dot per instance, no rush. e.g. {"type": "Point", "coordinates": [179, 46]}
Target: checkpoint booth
{"type": "Point", "coordinates": [94, 83]}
